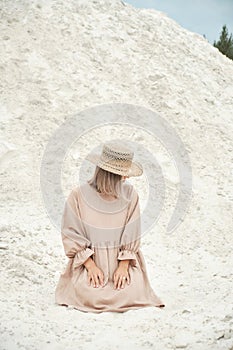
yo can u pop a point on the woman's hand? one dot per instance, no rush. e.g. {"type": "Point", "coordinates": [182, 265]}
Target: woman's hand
{"type": "Point", "coordinates": [96, 276]}
{"type": "Point", "coordinates": [121, 275]}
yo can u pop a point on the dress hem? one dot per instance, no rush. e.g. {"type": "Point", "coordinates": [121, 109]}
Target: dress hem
{"type": "Point", "coordinates": [121, 310]}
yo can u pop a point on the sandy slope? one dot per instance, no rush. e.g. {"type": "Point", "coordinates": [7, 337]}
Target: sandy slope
{"type": "Point", "coordinates": [61, 57]}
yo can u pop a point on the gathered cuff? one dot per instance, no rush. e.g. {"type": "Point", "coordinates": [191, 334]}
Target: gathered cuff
{"type": "Point", "coordinates": [81, 256]}
{"type": "Point", "coordinates": [127, 254]}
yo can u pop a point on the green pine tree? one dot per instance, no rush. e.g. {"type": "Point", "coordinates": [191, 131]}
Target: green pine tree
{"type": "Point", "coordinates": [225, 43]}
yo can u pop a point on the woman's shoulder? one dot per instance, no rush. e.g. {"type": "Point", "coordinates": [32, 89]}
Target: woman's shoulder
{"type": "Point", "coordinates": [82, 189]}
{"type": "Point", "coordinates": [73, 192]}
{"type": "Point", "coordinates": [129, 190]}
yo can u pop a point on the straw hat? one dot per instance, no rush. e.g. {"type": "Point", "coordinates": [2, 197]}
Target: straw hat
{"type": "Point", "coordinates": [116, 159]}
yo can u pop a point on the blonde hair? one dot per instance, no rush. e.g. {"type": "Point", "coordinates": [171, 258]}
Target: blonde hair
{"type": "Point", "coordinates": [106, 182]}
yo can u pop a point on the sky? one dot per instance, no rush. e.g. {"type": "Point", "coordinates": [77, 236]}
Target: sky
{"type": "Point", "coordinates": [200, 16]}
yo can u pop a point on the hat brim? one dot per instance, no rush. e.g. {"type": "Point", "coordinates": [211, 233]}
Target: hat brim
{"type": "Point", "coordinates": [136, 168]}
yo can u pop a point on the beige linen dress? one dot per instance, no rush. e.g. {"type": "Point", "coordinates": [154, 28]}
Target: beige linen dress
{"type": "Point", "coordinates": [107, 231]}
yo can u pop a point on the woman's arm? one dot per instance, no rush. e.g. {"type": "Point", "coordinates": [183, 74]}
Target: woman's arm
{"type": "Point", "coordinates": [74, 240]}
{"type": "Point", "coordinates": [89, 263]}
{"type": "Point", "coordinates": [131, 235]}
{"type": "Point", "coordinates": [125, 263]}
{"type": "Point", "coordinates": [129, 245]}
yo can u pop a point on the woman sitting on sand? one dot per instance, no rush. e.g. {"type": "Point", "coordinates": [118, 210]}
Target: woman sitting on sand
{"type": "Point", "coordinates": [101, 231]}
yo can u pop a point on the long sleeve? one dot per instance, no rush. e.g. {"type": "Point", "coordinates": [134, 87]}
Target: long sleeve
{"type": "Point", "coordinates": [76, 245]}
{"type": "Point", "coordinates": [131, 236]}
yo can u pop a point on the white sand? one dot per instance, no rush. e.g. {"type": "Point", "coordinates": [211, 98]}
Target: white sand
{"type": "Point", "coordinates": [60, 57]}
